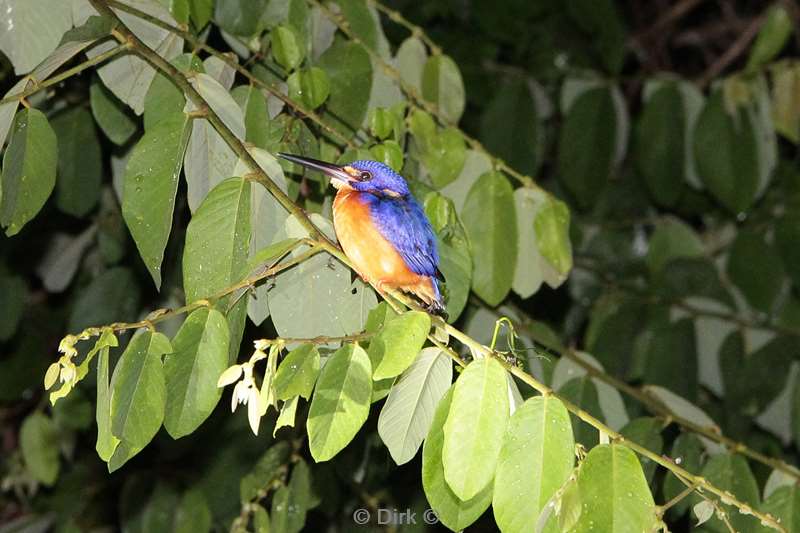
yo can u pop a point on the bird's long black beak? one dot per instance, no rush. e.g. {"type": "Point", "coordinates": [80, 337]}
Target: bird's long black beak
{"type": "Point", "coordinates": [336, 172]}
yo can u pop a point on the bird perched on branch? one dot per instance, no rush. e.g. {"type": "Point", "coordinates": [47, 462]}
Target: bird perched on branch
{"type": "Point", "coordinates": [382, 229]}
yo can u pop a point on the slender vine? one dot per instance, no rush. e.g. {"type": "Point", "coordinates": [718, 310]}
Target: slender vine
{"type": "Point", "coordinates": [321, 242]}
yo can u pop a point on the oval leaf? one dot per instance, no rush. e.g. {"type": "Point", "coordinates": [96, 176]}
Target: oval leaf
{"type": "Point", "coordinates": [536, 459]}
{"type": "Point", "coordinates": [200, 354]}
{"type": "Point", "coordinates": [474, 429]}
{"type": "Point", "coordinates": [397, 344]}
{"type": "Point", "coordinates": [341, 402]}
{"type": "Point", "coordinates": [453, 512]}
{"type": "Point", "coordinates": [614, 492]}
{"type": "Point", "coordinates": [490, 220]}
{"type": "Point", "coordinates": [29, 170]}
{"type": "Point", "coordinates": [407, 414]}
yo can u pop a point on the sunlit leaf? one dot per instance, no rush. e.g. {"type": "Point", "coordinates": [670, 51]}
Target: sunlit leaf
{"type": "Point", "coordinates": [340, 404]}
{"type": "Point", "coordinates": [297, 373]}
{"type": "Point", "coordinates": [397, 344]}
{"type": "Point", "coordinates": [474, 428]}
{"type": "Point", "coordinates": [453, 512]}
{"type": "Point", "coordinates": [442, 86]}
{"type": "Point", "coordinates": [614, 492]}
{"type": "Point", "coordinates": [535, 460]}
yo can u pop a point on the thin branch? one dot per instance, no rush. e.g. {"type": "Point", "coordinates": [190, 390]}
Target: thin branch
{"type": "Point", "coordinates": [38, 86]}
{"type": "Point", "coordinates": [655, 406]}
{"type": "Point", "coordinates": [738, 47]}
{"type": "Point", "coordinates": [680, 496]}
{"type": "Point", "coordinates": [416, 31]}
{"type": "Point", "coordinates": [159, 315]}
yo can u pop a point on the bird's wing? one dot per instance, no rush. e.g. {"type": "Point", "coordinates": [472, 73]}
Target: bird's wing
{"type": "Point", "coordinates": [403, 223]}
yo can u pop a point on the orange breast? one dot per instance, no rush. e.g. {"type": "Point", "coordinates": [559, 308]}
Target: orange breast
{"type": "Point", "coordinates": [373, 256]}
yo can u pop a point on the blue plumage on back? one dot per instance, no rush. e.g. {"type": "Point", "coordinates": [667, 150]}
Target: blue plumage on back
{"type": "Point", "coordinates": [402, 222]}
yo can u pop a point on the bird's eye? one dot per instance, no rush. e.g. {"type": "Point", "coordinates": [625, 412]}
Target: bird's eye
{"type": "Point", "coordinates": [365, 176]}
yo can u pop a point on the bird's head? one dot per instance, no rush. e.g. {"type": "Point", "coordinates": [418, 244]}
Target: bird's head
{"type": "Point", "coordinates": [363, 175]}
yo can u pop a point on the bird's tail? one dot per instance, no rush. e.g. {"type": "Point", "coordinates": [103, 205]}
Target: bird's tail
{"type": "Point", "coordinates": [431, 296]}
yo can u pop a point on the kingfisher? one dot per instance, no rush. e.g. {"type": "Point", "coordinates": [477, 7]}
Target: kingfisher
{"type": "Point", "coordinates": [382, 228]}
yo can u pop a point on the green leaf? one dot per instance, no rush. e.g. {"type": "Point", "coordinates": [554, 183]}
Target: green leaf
{"type": "Point", "coordinates": [586, 145]}
{"type": "Point", "coordinates": [291, 502]}
{"type": "Point", "coordinates": [408, 412]}
{"type": "Point", "coordinates": [287, 414]}
{"type": "Point", "coordinates": [669, 357]}
{"type": "Point", "coordinates": [256, 117]}
{"type": "Point", "coordinates": [772, 37]}
{"type": "Point", "coordinates": [442, 86]}
{"type": "Point", "coordinates": [209, 160]}
{"type": "Point", "coordinates": [394, 348]}
{"type": "Point", "coordinates": [536, 459]}
{"type": "Point", "coordinates": [685, 409]}
{"type": "Point", "coordinates": [13, 292]}
{"type": "Point", "coordinates": [199, 355]}
{"type": "Point", "coordinates": [129, 76]}
{"type": "Point", "coordinates": [444, 157]}
{"type": "Point", "coordinates": [783, 504]}
{"type": "Point", "coordinates": [411, 59]}
{"type": "Point", "coordinates": [753, 380]}
{"type": "Point", "coordinates": [490, 220]}
{"type": "Point", "coordinates": [164, 99]}
{"type": "Point", "coordinates": [110, 114]}
{"type": "Point", "coordinates": [32, 30]}
{"type": "Point", "coordinates": [200, 12]}
{"type": "Point", "coordinates": [785, 104]}
{"type": "Point", "coordinates": [672, 239]}
{"type": "Point", "coordinates": [111, 296]}
{"type": "Point", "coordinates": [474, 428]}
{"type": "Point", "coordinates": [646, 431]}
{"type": "Point", "coordinates": [38, 440]}
{"type": "Point", "coordinates": [138, 392]}
{"type": "Point", "coordinates": [286, 48]}
{"type": "Point", "coordinates": [349, 71]}
{"type": "Point", "coordinates": [239, 17]}
{"type": "Point", "coordinates": [360, 21]}
{"type": "Point", "coordinates": [455, 261]}
{"type": "Point", "coordinates": [510, 127]}
{"type": "Point", "coordinates": [151, 183]}
{"type": "Point", "coordinates": [551, 226]}
{"type": "Point", "coordinates": [309, 87]}
{"type": "Point", "coordinates": [755, 267]}
{"type": "Point", "coordinates": [192, 514]}
{"type": "Point", "coordinates": [731, 473]}
{"type": "Point", "coordinates": [583, 392]}
{"type": "Point", "coordinates": [787, 235]}
{"type": "Point", "coordinates": [726, 152]}
{"type": "Point", "coordinates": [80, 167]}
{"type": "Point", "coordinates": [106, 442]}
{"type": "Point", "coordinates": [217, 240]}
{"type": "Point", "coordinates": [29, 170]}
{"type": "Point", "coordinates": [687, 449]}
{"type": "Point", "coordinates": [602, 24]}
{"type": "Point", "coordinates": [297, 373]}
{"type": "Point", "coordinates": [264, 471]}
{"type": "Point", "coordinates": [660, 144]}
{"type": "Point", "coordinates": [614, 492]}
{"type": "Point", "coordinates": [453, 512]}
{"type": "Point", "coordinates": [389, 153]}
{"type": "Point", "coordinates": [341, 402]}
